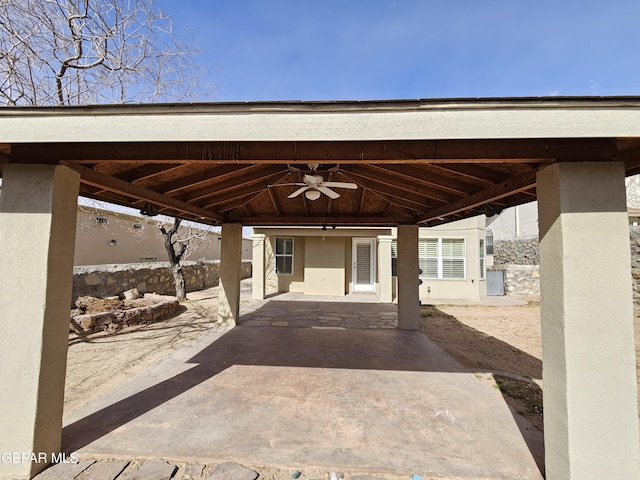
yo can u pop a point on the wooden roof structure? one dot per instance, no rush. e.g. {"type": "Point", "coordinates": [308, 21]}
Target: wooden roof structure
{"type": "Point", "coordinates": [422, 162]}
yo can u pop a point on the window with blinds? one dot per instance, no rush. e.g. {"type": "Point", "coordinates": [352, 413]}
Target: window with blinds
{"type": "Point", "coordinates": [284, 256]}
{"type": "Point", "coordinates": [482, 262]}
{"type": "Point", "coordinates": [394, 258]}
{"type": "Point", "coordinates": [442, 258]}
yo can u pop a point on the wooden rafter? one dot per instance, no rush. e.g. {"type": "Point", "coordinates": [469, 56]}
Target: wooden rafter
{"type": "Point", "coordinates": [255, 175]}
{"type": "Point", "coordinates": [405, 184]}
{"type": "Point", "coordinates": [497, 192]}
{"type": "Point", "coordinates": [391, 191]}
{"type": "Point", "coordinates": [91, 177]}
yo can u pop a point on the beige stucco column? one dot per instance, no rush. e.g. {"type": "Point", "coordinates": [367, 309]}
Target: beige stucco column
{"type": "Point", "coordinates": [258, 267]}
{"type": "Point", "coordinates": [230, 270]}
{"type": "Point", "coordinates": [38, 209]}
{"type": "Point", "coordinates": [385, 275]}
{"type": "Point", "coordinates": [408, 281]}
{"type": "Point", "coordinates": [590, 398]}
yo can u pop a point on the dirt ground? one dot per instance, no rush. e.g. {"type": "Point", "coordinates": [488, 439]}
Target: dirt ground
{"type": "Point", "coordinates": [99, 362]}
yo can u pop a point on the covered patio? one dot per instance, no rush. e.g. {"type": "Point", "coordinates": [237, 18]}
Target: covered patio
{"type": "Point", "coordinates": [415, 163]}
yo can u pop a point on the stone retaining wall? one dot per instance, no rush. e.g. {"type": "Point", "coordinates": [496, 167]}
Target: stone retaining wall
{"type": "Point", "coordinates": [516, 252]}
{"type": "Point", "coordinates": [634, 234]}
{"type": "Point", "coordinates": [110, 280]}
{"type": "Point", "coordinates": [519, 260]}
{"type": "Point", "coordinates": [159, 308]}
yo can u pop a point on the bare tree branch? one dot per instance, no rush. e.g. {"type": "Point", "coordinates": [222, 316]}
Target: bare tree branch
{"type": "Point", "coordinates": [93, 51]}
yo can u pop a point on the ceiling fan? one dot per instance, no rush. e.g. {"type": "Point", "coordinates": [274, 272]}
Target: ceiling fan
{"type": "Point", "coordinates": [313, 185]}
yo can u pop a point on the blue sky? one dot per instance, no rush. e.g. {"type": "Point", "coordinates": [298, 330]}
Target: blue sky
{"type": "Point", "coordinates": [386, 49]}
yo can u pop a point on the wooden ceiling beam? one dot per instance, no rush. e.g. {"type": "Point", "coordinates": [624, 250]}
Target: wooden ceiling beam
{"type": "Point", "coordinates": [228, 195]}
{"type": "Point", "coordinates": [91, 177]}
{"type": "Point", "coordinates": [475, 174]}
{"type": "Point", "coordinates": [144, 172]}
{"type": "Point", "coordinates": [384, 191]}
{"type": "Point", "coordinates": [426, 176]}
{"type": "Point", "coordinates": [360, 152]}
{"type": "Point", "coordinates": [339, 220]}
{"type": "Point", "coordinates": [393, 186]}
{"type": "Point", "coordinates": [254, 175]}
{"type": "Point", "coordinates": [274, 202]}
{"type": "Point", "coordinates": [205, 177]}
{"type": "Point", "coordinates": [507, 188]}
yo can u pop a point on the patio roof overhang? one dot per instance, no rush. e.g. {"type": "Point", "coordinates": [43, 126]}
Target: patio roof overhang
{"type": "Point", "coordinates": [422, 162]}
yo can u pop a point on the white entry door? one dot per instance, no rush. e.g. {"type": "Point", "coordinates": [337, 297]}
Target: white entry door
{"type": "Point", "coordinates": [364, 265]}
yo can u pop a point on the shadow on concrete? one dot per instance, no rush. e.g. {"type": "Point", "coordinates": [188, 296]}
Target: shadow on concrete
{"type": "Point", "coordinates": [395, 350]}
{"type": "Point", "coordinates": [482, 353]}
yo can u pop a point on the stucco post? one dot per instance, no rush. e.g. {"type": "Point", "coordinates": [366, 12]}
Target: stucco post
{"type": "Point", "coordinates": [408, 281]}
{"type": "Point", "coordinates": [258, 266]}
{"type": "Point", "coordinates": [38, 209]}
{"type": "Point", "coordinates": [230, 274]}
{"type": "Point", "coordinates": [590, 392]}
{"type": "Point", "coordinates": [385, 275]}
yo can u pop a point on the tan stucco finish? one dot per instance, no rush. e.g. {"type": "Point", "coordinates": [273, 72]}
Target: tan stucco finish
{"type": "Point", "coordinates": [385, 279]}
{"type": "Point", "coordinates": [328, 121]}
{"type": "Point", "coordinates": [230, 269]}
{"type": "Point", "coordinates": [37, 228]}
{"type": "Point", "coordinates": [590, 398]}
{"type": "Point", "coordinates": [408, 281]}
{"type": "Point", "coordinates": [324, 266]}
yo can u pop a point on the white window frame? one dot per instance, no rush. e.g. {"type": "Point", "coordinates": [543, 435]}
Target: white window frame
{"type": "Point", "coordinates": [440, 259]}
{"type": "Point", "coordinates": [483, 263]}
{"type": "Point", "coordinates": [284, 254]}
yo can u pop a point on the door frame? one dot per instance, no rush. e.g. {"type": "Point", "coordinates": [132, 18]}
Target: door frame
{"type": "Point", "coordinates": [371, 287]}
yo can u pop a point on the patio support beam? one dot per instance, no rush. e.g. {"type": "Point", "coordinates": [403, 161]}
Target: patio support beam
{"type": "Point", "coordinates": [385, 274]}
{"type": "Point", "coordinates": [258, 266]}
{"type": "Point", "coordinates": [230, 270]}
{"type": "Point", "coordinates": [408, 281]}
{"type": "Point", "coordinates": [37, 235]}
{"type": "Point", "coordinates": [590, 392]}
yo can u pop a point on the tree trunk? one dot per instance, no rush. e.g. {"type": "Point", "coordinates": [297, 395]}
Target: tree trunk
{"type": "Point", "coordinates": [178, 277]}
{"type": "Point", "coordinates": [175, 258]}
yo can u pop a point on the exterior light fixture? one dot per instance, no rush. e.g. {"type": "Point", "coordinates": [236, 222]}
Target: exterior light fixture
{"type": "Point", "coordinates": [148, 210]}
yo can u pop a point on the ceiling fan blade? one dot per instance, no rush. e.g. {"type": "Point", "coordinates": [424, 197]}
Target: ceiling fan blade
{"type": "Point", "coordinates": [299, 191]}
{"type": "Point", "coordinates": [352, 186]}
{"type": "Point", "coordinates": [286, 184]}
{"type": "Point", "coordinates": [328, 192]}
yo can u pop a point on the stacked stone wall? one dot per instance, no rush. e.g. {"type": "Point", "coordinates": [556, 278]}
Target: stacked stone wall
{"type": "Point", "coordinates": [519, 261]}
{"type": "Point", "coordinates": [634, 234]}
{"type": "Point", "coordinates": [110, 280]}
{"type": "Point", "coordinates": [516, 252]}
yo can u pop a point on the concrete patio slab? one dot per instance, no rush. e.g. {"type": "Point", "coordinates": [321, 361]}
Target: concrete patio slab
{"type": "Point", "coordinates": [355, 399]}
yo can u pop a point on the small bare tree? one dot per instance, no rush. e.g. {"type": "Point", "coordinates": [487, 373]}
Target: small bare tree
{"type": "Point", "coordinates": [179, 244]}
{"type": "Point", "coordinates": [75, 52]}
{"type": "Point", "coordinates": [175, 250]}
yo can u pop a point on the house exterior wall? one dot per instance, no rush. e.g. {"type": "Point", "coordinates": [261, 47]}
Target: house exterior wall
{"type": "Point", "coordinates": [515, 222]}
{"type": "Point", "coordinates": [321, 259]}
{"type": "Point", "coordinates": [121, 238]}
{"type": "Point", "coordinates": [285, 283]}
{"type": "Point", "coordinates": [324, 265]}
{"type": "Point", "coordinates": [472, 230]}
